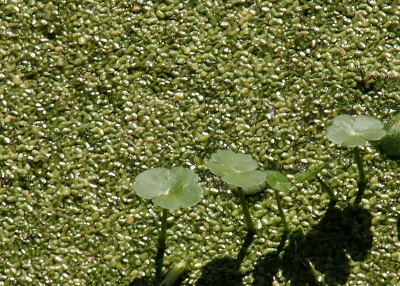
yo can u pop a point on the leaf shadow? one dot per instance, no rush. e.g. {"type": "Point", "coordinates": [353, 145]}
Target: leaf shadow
{"type": "Point", "coordinates": [142, 281]}
{"type": "Point", "coordinates": [323, 249]}
{"type": "Point", "coordinates": [267, 267]}
{"type": "Point", "coordinates": [146, 281]}
{"type": "Point", "coordinates": [326, 246]}
{"type": "Point", "coordinates": [226, 270]}
{"type": "Point", "coordinates": [398, 227]}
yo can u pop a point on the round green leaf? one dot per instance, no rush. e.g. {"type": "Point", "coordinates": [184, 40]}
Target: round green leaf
{"type": "Point", "coordinates": [278, 181]}
{"type": "Point", "coordinates": [235, 168]}
{"type": "Point", "coordinates": [225, 162]}
{"type": "Point", "coordinates": [169, 189]}
{"type": "Point", "coordinates": [354, 131]}
{"type": "Point", "coordinates": [369, 128]}
{"type": "Point", "coordinates": [245, 179]}
{"type": "Point", "coordinates": [152, 183]}
{"type": "Point", "coordinates": [254, 189]}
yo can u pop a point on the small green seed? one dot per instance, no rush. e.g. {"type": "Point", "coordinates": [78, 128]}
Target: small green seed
{"type": "Point", "coordinates": [11, 199]}
{"type": "Point", "coordinates": [95, 216]}
{"type": "Point", "coordinates": [108, 257]}
{"type": "Point", "coordinates": [216, 228]}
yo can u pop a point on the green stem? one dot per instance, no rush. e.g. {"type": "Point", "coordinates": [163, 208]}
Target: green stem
{"type": "Point", "coordinates": [163, 231]}
{"type": "Point", "coordinates": [247, 217]}
{"type": "Point", "coordinates": [278, 202]}
{"type": "Point", "coordinates": [327, 189]}
{"type": "Point", "coordinates": [311, 273]}
{"type": "Point", "coordinates": [174, 274]}
{"type": "Point", "coordinates": [362, 178]}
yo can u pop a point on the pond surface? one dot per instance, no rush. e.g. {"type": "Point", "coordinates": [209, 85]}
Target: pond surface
{"type": "Point", "coordinates": [94, 92]}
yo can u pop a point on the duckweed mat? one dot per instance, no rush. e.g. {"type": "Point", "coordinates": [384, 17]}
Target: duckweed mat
{"type": "Point", "coordinates": [94, 92]}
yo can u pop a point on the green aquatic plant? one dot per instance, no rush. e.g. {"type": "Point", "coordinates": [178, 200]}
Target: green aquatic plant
{"type": "Point", "coordinates": [279, 183]}
{"type": "Point", "coordinates": [174, 274]}
{"type": "Point", "coordinates": [390, 143]}
{"type": "Point", "coordinates": [314, 174]}
{"type": "Point", "coordinates": [170, 189]}
{"type": "Point", "coordinates": [241, 171]}
{"type": "Point", "coordinates": [354, 132]}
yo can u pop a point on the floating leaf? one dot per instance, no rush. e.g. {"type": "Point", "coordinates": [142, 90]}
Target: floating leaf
{"type": "Point", "coordinates": [255, 188]}
{"type": "Point", "coordinates": [236, 169]}
{"type": "Point", "coordinates": [278, 181]}
{"type": "Point", "coordinates": [252, 190]}
{"type": "Point", "coordinates": [169, 189]}
{"type": "Point", "coordinates": [354, 131]}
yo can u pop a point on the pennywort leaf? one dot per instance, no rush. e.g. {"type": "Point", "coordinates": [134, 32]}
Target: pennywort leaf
{"type": "Point", "coordinates": [169, 189]}
{"type": "Point", "coordinates": [352, 131]}
{"type": "Point", "coordinates": [278, 181]}
{"type": "Point", "coordinates": [235, 168]}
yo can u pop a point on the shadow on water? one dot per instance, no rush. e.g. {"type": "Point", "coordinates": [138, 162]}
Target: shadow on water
{"type": "Point", "coordinates": [145, 281]}
{"type": "Point", "coordinates": [225, 270]}
{"type": "Point", "coordinates": [323, 249]}
{"type": "Point", "coordinates": [398, 226]}
{"type": "Point", "coordinates": [269, 265]}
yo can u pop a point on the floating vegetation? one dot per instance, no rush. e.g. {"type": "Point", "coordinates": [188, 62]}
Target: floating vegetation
{"type": "Point", "coordinates": [92, 93]}
{"type": "Point", "coordinates": [390, 144]}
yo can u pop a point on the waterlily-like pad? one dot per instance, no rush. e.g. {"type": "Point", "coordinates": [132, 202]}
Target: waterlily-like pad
{"type": "Point", "coordinates": [278, 181]}
{"type": "Point", "coordinates": [169, 189]}
{"type": "Point", "coordinates": [355, 131]}
{"type": "Point", "coordinates": [252, 190]}
{"type": "Point", "coordinates": [236, 169]}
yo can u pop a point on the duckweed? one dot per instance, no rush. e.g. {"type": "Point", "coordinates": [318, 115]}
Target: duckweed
{"type": "Point", "coordinates": [93, 93]}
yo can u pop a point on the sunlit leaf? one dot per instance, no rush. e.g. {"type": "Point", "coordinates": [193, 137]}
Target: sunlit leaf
{"type": "Point", "coordinates": [354, 131]}
{"type": "Point", "coordinates": [236, 169]}
{"type": "Point", "coordinates": [278, 181]}
{"type": "Point", "coordinates": [170, 189]}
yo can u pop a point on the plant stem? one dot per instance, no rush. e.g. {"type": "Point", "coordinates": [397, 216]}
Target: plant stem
{"type": "Point", "coordinates": [278, 202]}
{"type": "Point", "coordinates": [163, 231]}
{"type": "Point", "coordinates": [311, 273]}
{"type": "Point", "coordinates": [327, 189]}
{"type": "Point", "coordinates": [247, 217]}
{"type": "Point", "coordinates": [363, 180]}
{"type": "Point", "coordinates": [174, 274]}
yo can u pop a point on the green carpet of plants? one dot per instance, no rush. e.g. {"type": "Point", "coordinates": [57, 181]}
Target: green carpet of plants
{"type": "Point", "coordinates": [92, 93]}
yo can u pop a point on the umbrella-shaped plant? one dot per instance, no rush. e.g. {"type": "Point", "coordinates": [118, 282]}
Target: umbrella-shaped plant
{"type": "Point", "coordinates": [279, 183]}
{"type": "Point", "coordinates": [314, 174]}
{"type": "Point", "coordinates": [170, 189]}
{"type": "Point", "coordinates": [241, 171]}
{"type": "Point", "coordinates": [355, 131]}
